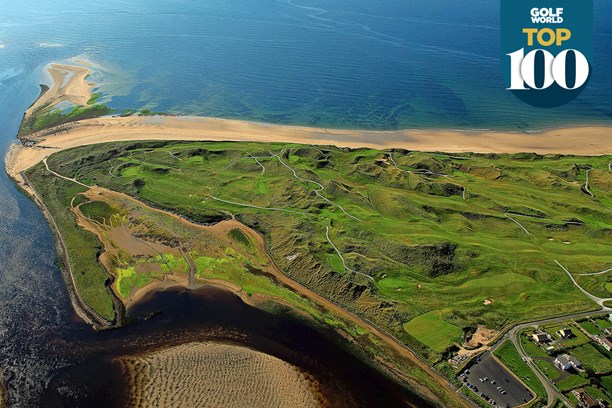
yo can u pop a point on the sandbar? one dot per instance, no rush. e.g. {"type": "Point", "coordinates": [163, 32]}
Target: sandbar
{"type": "Point", "coordinates": [69, 84]}
{"type": "Point", "coordinates": [217, 375]}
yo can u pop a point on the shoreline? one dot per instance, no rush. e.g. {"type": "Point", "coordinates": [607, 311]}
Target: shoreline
{"type": "Point", "coordinates": [70, 84]}
{"type": "Point", "coordinates": [81, 309]}
{"type": "Point", "coordinates": [580, 141]}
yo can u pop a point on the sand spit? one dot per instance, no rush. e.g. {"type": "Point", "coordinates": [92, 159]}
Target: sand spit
{"type": "Point", "coordinates": [69, 84]}
{"type": "Point", "coordinates": [217, 375]}
{"type": "Point", "coordinates": [578, 141]}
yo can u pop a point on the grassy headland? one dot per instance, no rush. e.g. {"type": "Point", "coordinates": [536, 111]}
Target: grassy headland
{"type": "Point", "coordinates": [401, 238]}
{"type": "Point", "coordinates": [142, 246]}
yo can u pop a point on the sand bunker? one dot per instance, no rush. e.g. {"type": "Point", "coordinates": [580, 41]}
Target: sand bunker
{"type": "Point", "coordinates": [217, 375]}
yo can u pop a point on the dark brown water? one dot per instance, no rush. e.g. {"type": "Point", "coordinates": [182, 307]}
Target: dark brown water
{"type": "Point", "coordinates": [212, 314]}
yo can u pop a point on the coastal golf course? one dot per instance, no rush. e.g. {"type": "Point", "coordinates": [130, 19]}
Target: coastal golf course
{"type": "Point", "coordinates": [427, 246]}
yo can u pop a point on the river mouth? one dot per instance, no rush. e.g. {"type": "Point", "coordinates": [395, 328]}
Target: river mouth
{"type": "Point", "coordinates": [176, 316]}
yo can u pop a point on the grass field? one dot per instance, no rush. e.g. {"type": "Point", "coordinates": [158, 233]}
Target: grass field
{"type": "Point", "coordinates": [532, 348]}
{"type": "Point", "coordinates": [598, 394]}
{"type": "Point", "coordinates": [578, 339]}
{"type": "Point", "coordinates": [548, 369]}
{"type": "Point", "coordinates": [571, 382]}
{"type": "Point", "coordinates": [590, 327]}
{"type": "Point", "coordinates": [413, 245]}
{"type": "Point", "coordinates": [593, 359]}
{"type": "Point", "coordinates": [603, 323]}
{"type": "Point", "coordinates": [606, 383]}
{"type": "Point", "coordinates": [508, 355]}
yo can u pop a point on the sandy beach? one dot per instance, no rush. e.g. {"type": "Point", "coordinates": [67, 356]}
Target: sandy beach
{"type": "Point", "coordinates": [212, 374]}
{"type": "Point", "coordinates": [70, 84]}
{"type": "Point", "coordinates": [576, 141]}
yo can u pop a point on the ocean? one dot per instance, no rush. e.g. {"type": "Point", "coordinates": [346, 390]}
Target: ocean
{"type": "Point", "coordinates": [388, 64]}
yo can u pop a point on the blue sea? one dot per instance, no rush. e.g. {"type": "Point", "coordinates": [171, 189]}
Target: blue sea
{"type": "Point", "coordinates": [383, 64]}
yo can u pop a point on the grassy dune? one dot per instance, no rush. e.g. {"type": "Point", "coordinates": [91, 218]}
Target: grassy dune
{"type": "Point", "coordinates": [416, 235]}
{"type": "Point", "coordinates": [90, 277]}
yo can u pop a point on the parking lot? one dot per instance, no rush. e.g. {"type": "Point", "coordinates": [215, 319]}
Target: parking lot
{"type": "Point", "coordinates": [497, 376]}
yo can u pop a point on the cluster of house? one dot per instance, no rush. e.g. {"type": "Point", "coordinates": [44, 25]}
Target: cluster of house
{"type": "Point", "coordinates": [587, 401]}
{"type": "Point", "coordinates": [566, 362]}
{"type": "Point", "coordinates": [542, 337]}
{"type": "Point", "coordinates": [605, 341]}
{"type": "Point", "coordinates": [545, 338]}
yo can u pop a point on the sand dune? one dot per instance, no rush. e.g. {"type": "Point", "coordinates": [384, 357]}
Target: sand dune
{"type": "Point", "coordinates": [216, 375]}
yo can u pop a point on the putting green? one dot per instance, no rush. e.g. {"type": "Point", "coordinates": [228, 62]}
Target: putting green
{"type": "Point", "coordinates": [432, 330]}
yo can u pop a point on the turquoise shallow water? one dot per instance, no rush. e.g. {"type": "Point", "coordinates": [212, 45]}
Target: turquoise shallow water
{"type": "Point", "coordinates": [359, 64]}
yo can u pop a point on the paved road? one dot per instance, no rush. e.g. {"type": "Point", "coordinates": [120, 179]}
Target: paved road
{"type": "Point", "coordinates": [517, 393]}
{"type": "Point", "coordinates": [512, 335]}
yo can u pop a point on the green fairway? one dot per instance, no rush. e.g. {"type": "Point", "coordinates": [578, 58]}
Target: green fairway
{"type": "Point", "coordinates": [388, 235]}
{"type": "Point", "coordinates": [432, 330]}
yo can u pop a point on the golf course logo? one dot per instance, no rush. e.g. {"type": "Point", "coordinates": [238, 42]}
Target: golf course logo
{"type": "Point", "coordinates": [546, 49]}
